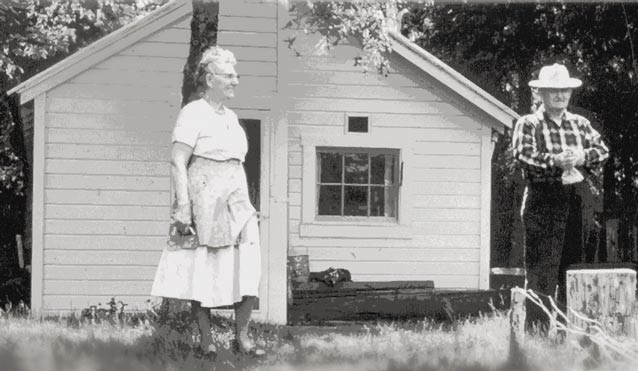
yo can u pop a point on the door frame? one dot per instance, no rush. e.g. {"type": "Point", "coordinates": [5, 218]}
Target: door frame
{"type": "Point", "coordinates": [264, 206]}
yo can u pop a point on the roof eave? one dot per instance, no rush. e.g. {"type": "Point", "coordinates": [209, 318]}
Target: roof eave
{"type": "Point", "coordinates": [99, 50]}
{"type": "Point", "coordinates": [453, 80]}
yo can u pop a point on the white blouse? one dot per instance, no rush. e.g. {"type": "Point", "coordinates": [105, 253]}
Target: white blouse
{"type": "Point", "coordinates": [212, 135]}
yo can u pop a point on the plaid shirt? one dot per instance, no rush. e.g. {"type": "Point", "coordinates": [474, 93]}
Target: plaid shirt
{"type": "Point", "coordinates": [537, 139]}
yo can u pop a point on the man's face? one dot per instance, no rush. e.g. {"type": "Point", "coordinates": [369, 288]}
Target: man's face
{"type": "Point", "coordinates": [555, 99]}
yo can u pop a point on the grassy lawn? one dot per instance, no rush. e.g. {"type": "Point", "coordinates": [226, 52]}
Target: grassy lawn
{"type": "Point", "coordinates": [479, 344]}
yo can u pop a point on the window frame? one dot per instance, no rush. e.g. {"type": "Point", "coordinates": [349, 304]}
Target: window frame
{"type": "Point", "coordinates": [312, 225]}
{"type": "Point", "coordinates": [370, 152]}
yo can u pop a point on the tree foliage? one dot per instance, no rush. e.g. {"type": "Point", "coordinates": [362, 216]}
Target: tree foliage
{"type": "Point", "coordinates": [35, 34]}
{"type": "Point", "coordinates": [501, 47]}
{"type": "Point", "coordinates": [365, 21]}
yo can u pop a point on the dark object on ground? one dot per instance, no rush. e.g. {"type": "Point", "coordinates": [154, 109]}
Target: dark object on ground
{"type": "Point", "coordinates": [400, 300]}
{"type": "Point", "coordinates": [331, 276]}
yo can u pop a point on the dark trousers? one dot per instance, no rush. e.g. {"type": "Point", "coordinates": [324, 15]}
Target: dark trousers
{"type": "Point", "coordinates": [552, 218]}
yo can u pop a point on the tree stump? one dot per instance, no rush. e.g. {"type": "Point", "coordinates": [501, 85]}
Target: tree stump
{"type": "Point", "coordinates": [605, 295]}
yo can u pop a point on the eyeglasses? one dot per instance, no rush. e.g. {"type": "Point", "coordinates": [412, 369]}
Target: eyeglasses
{"type": "Point", "coordinates": [228, 76]}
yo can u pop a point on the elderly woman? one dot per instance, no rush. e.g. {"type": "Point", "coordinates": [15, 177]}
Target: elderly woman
{"type": "Point", "coordinates": [213, 255]}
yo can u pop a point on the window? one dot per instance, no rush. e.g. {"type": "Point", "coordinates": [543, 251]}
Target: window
{"type": "Point", "coordinates": [357, 182]}
{"type": "Point", "coordinates": [357, 124]}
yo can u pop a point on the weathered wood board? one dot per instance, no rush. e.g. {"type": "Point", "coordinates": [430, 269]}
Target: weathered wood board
{"type": "Point", "coordinates": [606, 295]}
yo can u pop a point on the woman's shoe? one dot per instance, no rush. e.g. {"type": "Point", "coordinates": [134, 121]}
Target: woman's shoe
{"type": "Point", "coordinates": [209, 352]}
{"type": "Point", "coordinates": [247, 348]}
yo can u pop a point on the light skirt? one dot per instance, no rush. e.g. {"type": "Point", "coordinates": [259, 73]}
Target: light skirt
{"type": "Point", "coordinates": [215, 276]}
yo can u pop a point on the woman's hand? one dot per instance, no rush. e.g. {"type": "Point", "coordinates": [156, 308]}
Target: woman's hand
{"type": "Point", "coordinates": [183, 218]}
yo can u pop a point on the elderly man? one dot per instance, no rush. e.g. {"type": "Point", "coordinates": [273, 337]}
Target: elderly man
{"type": "Point", "coordinates": [556, 149]}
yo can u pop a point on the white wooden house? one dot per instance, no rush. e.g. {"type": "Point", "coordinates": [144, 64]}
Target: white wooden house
{"type": "Point", "coordinates": [388, 177]}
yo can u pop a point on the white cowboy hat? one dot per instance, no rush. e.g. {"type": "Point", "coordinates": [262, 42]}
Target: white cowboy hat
{"type": "Point", "coordinates": [555, 76]}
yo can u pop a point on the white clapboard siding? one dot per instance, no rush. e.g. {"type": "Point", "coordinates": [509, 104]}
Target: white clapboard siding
{"type": "Point", "coordinates": [107, 172]}
{"type": "Point", "coordinates": [448, 162]}
{"type": "Point", "coordinates": [102, 197]}
{"type": "Point", "coordinates": [116, 92]}
{"type": "Point", "coordinates": [448, 188]}
{"type": "Point", "coordinates": [98, 272]}
{"type": "Point", "coordinates": [447, 148]}
{"type": "Point", "coordinates": [348, 78]}
{"type": "Point", "coordinates": [109, 212]}
{"type": "Point", "coordinates": [104, 242]}
{"type": "Point", "coordinates": [106, 182]}
{"type": "Point", "coordinates": [446, 227]}
{"type": "Point", "coordinates": [315, 119]}
{"type": "Point", "coordinates": [104, 106]}
{"type": "Point", "coordinates": [370, 92]}
{"type": "Point", "coordinates": [398, 254]}
{"type": "Point", "coordinates": [139, 63]}
{"type": "Point", "coordinates": [440, 200]}
{"type": "Point", "coordinates": [102, 257]}
{"type": "Point", "coordinates": [82, 287]}
{"type": "Point", "coordinates": [419, 239]}
{"type": "Point", "coordinates": [249, 10]}
{"type": "Point", "coordinates": [442, 145]}
{"type": "Point", "coordinates": [70, 302]}
{"type": "Point", "coordinates": [130, 77]}
{"type": "Point", "coordinates": [113, 227]}
{"type": "Point", "coordinates": [429, 174]}
{"type": "Point", "coordinates": [122, 137]}
{"type": "Point", "coordinates": [232, 39]}
{"type": "Point", "coordinates": [255, 84]}
{"type": "Point", "coordinates": [107, 152]}
{"type": "Point", "coordinates": [156, 120]}
{"type": "Point", "coordinates": [406, 267]}
{"type": "Point", "coordinates": [239, 23]}
{"type": "Point", "coordinates": [107, 167]}
{"type": "Point", "coordinates": [170, 35]}
{"type": "Point", "coordinates": [157, 49]}
{"type": "Point", "coordinates": [436, 214]}
{"type": "Point", "coordinates": [425, 121]}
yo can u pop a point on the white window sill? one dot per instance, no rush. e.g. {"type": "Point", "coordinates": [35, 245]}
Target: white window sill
{"type": "Point", "coordinates": [355, 229]}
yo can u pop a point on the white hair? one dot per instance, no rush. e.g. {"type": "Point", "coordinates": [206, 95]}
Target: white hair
{"type": "Point", "coordinates": [218, 56]}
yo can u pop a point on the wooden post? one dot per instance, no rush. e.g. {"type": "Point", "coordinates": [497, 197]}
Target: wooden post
{"type": "Point", "coordinates": [612, 240]}
{"type": "Point", "coordinates": [605, 295]}
{"type": "Point", "coordinates": [20, 247]}
{"type": "Point", "coordinates": [517, 326]}
{"type": "Point", "coordinates": [632, 326]}
{"type": "Point", "coordinates": [517, 315]}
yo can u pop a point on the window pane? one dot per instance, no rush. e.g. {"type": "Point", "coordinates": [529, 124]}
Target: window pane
{"type": "Point", "coordinates": [355, 201]}
{"type": "Point", "coordinates": [377, 201]}
{"type": "Point", "coordinates": [329, 200]}
{"type": "Point", "coordinates": [382, 168]}
{"type": "Point", "coordinates": [330, 167]}
{"type": "Point", "coordinates": [356, 167]}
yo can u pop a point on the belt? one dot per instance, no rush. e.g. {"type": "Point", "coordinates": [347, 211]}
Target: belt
{"type": "Point", "coordinates": [547, 180]}
{"type": "Point", "coordinates": [235, 161]}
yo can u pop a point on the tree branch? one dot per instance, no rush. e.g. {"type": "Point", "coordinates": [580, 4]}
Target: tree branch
{"type": "Point", "coordinates": [631, 42]}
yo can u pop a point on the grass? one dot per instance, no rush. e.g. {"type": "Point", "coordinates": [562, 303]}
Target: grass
{"type": "Point", "coordinates": [476, 344]}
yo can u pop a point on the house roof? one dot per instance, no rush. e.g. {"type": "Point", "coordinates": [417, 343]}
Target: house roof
{"type": "Point", "coordinates": [101, 49]}
{"type": "Point", "coordinates": [174, 10]}
{"type": "Point", "coordinates": [453, 79]}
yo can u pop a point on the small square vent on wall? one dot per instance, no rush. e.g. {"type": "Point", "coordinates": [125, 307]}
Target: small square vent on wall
{"type": "Point", "coordinates": [357, 124]}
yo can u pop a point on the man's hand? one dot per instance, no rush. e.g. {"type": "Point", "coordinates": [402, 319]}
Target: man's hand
{"type": "Point", "coordinates": [566, 160]}
{"type": "Point", "coordinates": [579, 154]}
